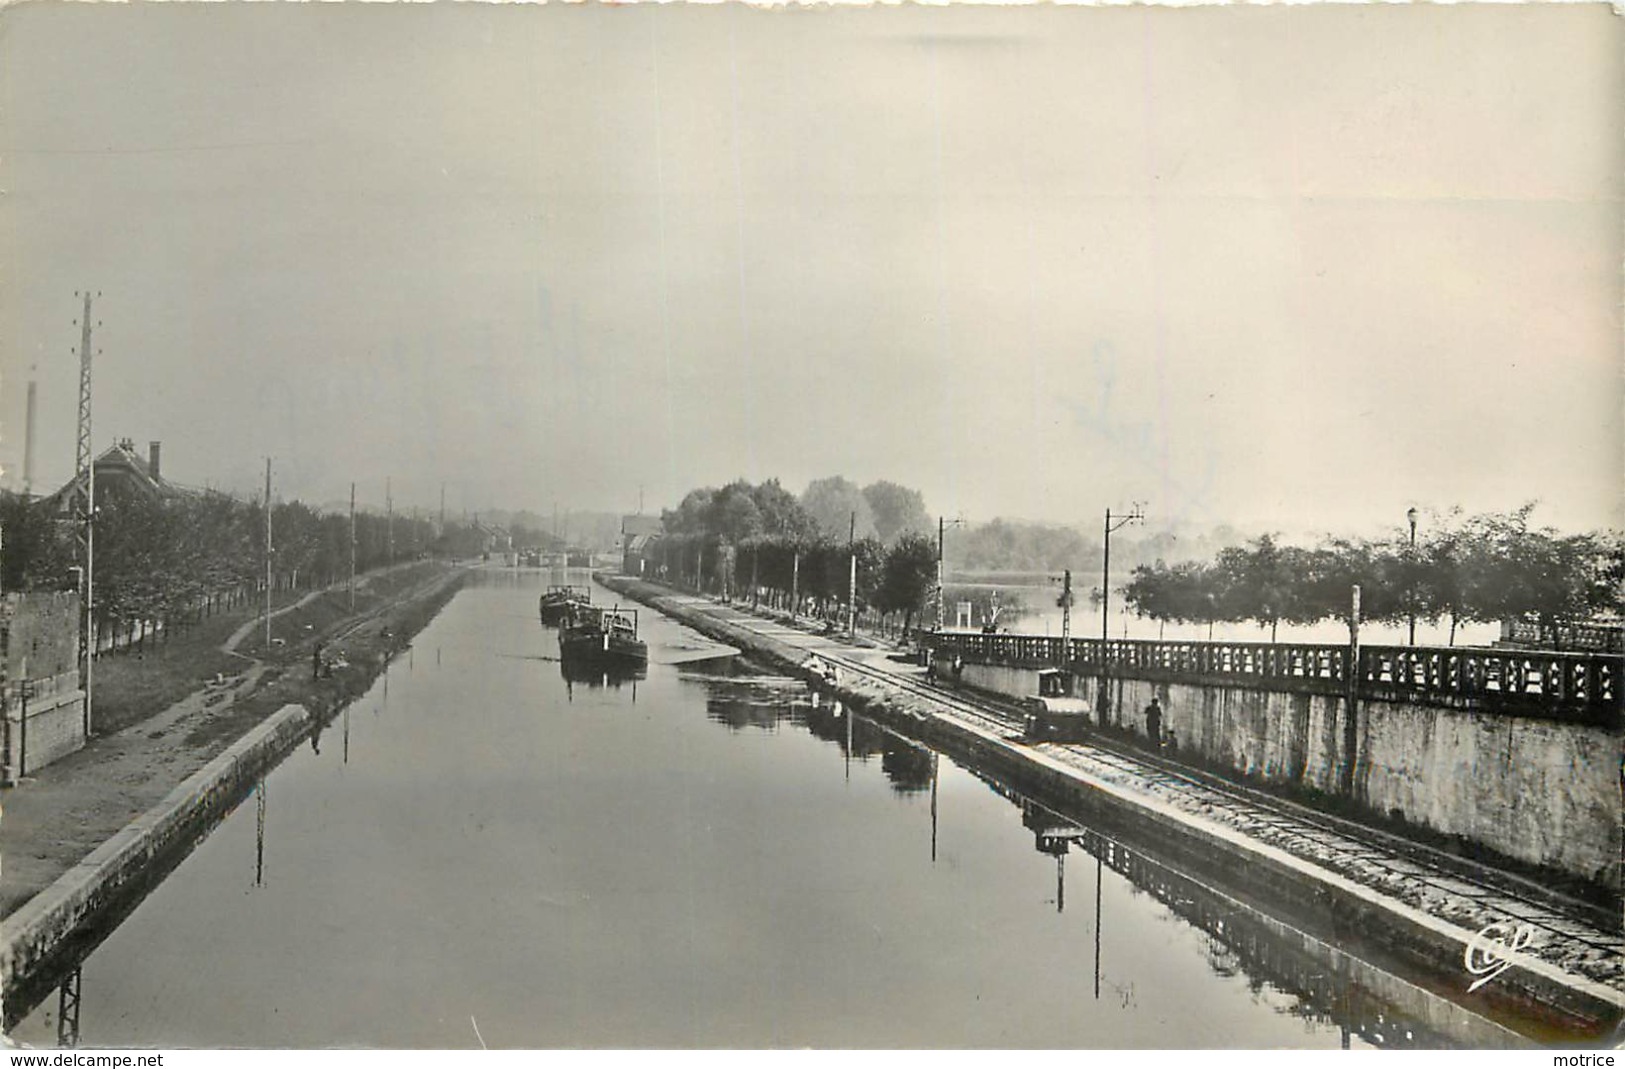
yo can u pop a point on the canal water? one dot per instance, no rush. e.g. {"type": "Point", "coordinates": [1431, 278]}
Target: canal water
{"type": "Point", "coordinates": [480, 851]}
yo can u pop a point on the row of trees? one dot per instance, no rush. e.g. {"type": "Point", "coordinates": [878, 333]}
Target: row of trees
{"type": "Point", "coordinates": [1481, 569]}
{"type": "Point", "coordinates": [1001, 545]}
{"type": "Point", "coordinates": [1484, 568]}
{"type": "Point", "coordinates": [763, 541]}
{"type": "Point", "coordinates": [833, 508]}
{"type": "Point", "coordinates": [171, 559]}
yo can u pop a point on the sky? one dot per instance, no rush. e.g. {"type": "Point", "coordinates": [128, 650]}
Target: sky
{"type": "Point", "coordinates": [1294, 267]}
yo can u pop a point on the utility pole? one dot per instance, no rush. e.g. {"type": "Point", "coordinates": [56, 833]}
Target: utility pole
{"type": "Point", "coordinates": [84, 508]}
{"type": "Point", "coordinates": [795, 581]}
{"type": "Point", "coordinates": [267, 556]}
{"type": "Point", "coordinates": [441, 533]}
{"type": "Point", "coordinates": [942, 591]}
{"type": "Point", "coordinates": [852, 582]}
{"type": "Point", "coordinates": [1410, 579]}
{"type": "Point", "coordinates": [941, 588]}
{"type": "Point", "coordinates": [1135, 515]}
{"type": "Point", "coordinates": [389, 519]}
{"type": "Point", "coordinates": [942, 525]}
{"type": "Point", "coordinates": [1066, 611]}
{"type": "Point", "coordinates": [1351, 696]}
{"type": "Point", "coordinates": [352, 547]}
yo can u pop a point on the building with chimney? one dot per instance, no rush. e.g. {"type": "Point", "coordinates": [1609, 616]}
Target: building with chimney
{"type": "Point", "coordinates": [122, 470]}
{"type": "Point", "coordinates": [637, 532]}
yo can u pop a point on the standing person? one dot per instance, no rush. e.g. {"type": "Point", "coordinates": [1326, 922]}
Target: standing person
{"type": "Point", "coordinates": [1153, 724]}
{"type": "Point", "coordinates": [316, 662]}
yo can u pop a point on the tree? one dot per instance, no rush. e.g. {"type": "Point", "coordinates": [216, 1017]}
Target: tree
{"type": "Point", "coordinates": [871, 557]}
{"type": "Point", "coordinates": [1002, 545]}
{"type": "Point", "coordinates": [1520, 571]}
{"type": "Point", "coordinates": [733, 515]}
{"type": "Point", "coordinates": [1187, 592]}
{"type": "Point", "coordinates": [782, 515]}
{"type": "Point", "coordinates": [831, 504]}
{"type": "Point", "coordinates": [692, 515]}
{"type": "Point", "coordinates": [38, 549]}
{"type": "Point", "coordinates": [1259, 582]}
{"type": "Point", "coordinates": [897, 510]}
{"type": "Point", "coordinates": [1442, 566]}
{"type": "Point", "coordinates": [1611, 572]}
{"type": "Point", "coordinates": [907, 575]}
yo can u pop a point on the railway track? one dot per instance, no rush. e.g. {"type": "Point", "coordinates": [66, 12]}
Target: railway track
{"type": "Point", "coordinates": [1370, 856]}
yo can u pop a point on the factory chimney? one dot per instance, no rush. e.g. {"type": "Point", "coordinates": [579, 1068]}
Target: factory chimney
{"type": "Point", "coordinates": [28, 443]}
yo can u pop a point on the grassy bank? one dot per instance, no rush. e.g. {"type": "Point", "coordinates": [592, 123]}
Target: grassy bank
{"type": "Point", "coordinates": [134, 684]}
{"type": "Point", "coordinates": [360, 644]}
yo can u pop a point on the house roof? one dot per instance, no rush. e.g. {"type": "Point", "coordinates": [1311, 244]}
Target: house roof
{"type": "Point", "coordinates": [121, 465]}
{"type": "Point", "coordinates": [641, 525]}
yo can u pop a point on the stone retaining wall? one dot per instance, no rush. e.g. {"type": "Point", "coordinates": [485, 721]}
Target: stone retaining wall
{"type": "Point", "coordinates": [1542, 792]}
{"type": "Point", "coordinates": [51, 918]}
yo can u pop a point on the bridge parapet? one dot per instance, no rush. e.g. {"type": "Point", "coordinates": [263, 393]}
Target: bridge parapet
{"type": "Point", "coordinates": [1567, 686]}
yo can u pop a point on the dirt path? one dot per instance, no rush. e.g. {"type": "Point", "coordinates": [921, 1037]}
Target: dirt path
{"type": "Point", "coordinates": [250, 626]}
{"type": "Point", "coordinates": [54, 819]}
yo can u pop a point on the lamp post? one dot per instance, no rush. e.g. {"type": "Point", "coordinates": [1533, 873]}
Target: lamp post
{"type": "Point", "coordinates": [1136, 514]}
{"type": "Point", "coordinates": [1410, 578]}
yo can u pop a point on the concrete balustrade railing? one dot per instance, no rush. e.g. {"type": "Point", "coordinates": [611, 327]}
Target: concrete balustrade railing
{"type": "Point", "coordinates": [1582, 686]}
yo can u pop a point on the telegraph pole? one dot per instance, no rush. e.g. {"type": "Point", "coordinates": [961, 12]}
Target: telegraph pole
{"type": "Point", "coordinates": [942, 590]}
{"type": "Point", "coordinates": [84, 506]}
{"type": "Point", "coordinates": [389, 518]}
{"type": "Point", "coordinates": [852, 582]}
{"type": "Point", "coordinates": [1351, 696]}
{"type": "Point", "coordinates": [267, 556]}
{"type": "Point", "coordinates": [352, 543]}
{"type": "Point", "coordinates": [942, 525]}
{"type": "Point", "coordinates": [1135, 515]}
{"type": "Point", "coordinates": [1066, 611]}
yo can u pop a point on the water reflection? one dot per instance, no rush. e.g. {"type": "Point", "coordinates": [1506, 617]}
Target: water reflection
{"type": "Point", "coordinates": [259, 830]}
{"type": "Point", "coordinates": [600, 675]}
{"type": "Point", "coordinates": [67, 1009]}
{"type": "Point", "coordinates": [1241, 942]}
{"type": "Point", "coordinates": [935, 762]}
{"type": "Point", "coordinates": [1327, 986]}
{"type": "Point", "coordinates": [741, 697]}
